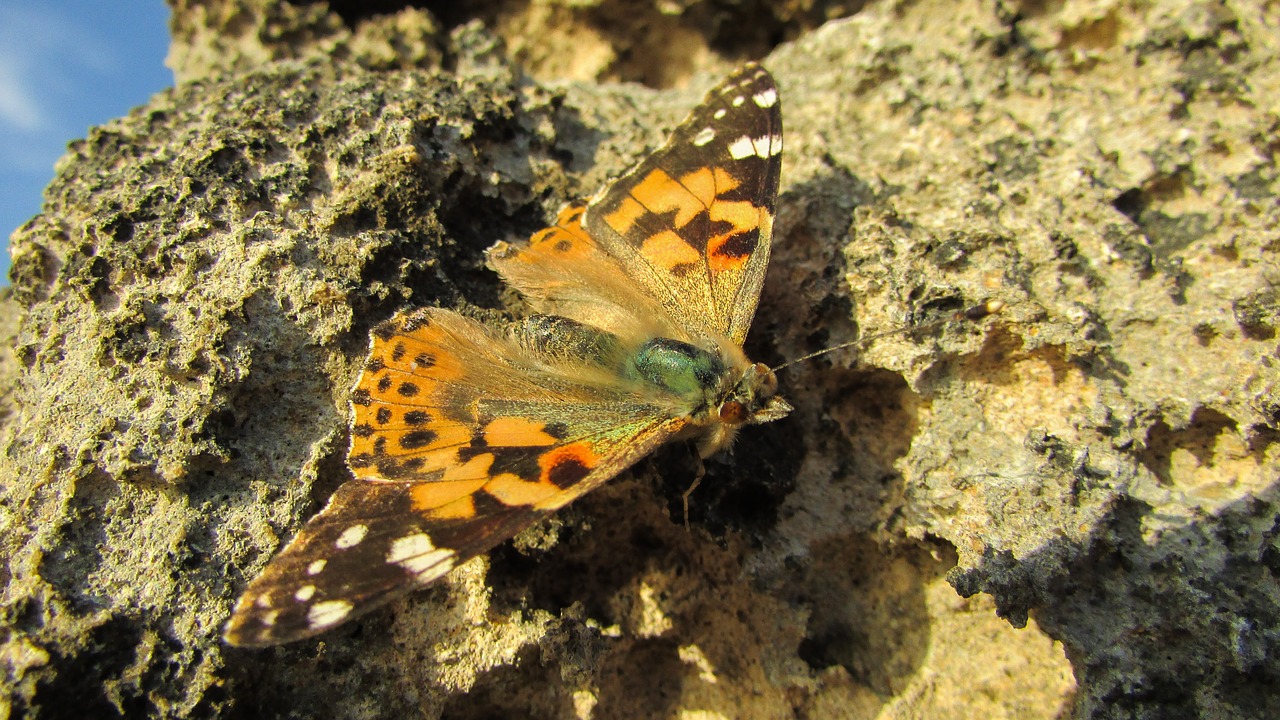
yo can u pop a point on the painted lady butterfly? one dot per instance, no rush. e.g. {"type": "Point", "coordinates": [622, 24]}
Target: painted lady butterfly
{"type": "Point", "coordinates": [462, 434]}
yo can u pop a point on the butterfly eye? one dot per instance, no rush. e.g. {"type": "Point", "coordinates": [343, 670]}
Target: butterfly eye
{"type": "Point", "coordinates": [768, 382]}
{"type": "Point", "coordinates": [733, 412]}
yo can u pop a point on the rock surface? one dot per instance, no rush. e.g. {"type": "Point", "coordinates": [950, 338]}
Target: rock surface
{"type": "Point", "coordinates": [1070, 507]}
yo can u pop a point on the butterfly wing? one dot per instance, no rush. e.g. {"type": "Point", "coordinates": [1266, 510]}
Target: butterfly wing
{"type": "Point", "coordinates": [692, 224]}
{"type": "Point", "coordinates": [563, 271]}
{"type": "Point", "coordinates": [460, 439]}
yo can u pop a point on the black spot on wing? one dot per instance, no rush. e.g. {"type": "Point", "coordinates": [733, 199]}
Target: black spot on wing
{"type": "Point", "coordinates": [488, 505]}
{"type": "Point", "coordinates": [391, 468]}
{"type": "Point", "coordinates": [385, 331]}
{"type": "Point", "coordinates": [567, 471]}
{"type": "Point", "coordinates": [519, 461]}
{"type": "Point", "coordinates": [739, 245]}
{"type": "Point", "coordinates": [417, 439]}
{"type": "Point", "coordinates": [681, 270]}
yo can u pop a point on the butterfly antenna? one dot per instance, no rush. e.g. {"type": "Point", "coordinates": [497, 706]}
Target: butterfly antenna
{"type": "Point", "coordinates": [977, 312]}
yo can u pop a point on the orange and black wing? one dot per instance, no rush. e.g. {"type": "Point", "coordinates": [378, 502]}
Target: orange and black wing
{"type": "Point", "coordinates": [692, 224]}
{"type": "Point", "coordinates": [460, 439]}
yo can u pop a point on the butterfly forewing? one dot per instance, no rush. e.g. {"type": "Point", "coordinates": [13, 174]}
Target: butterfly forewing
{"type": "Point", "coordinates": [693, 222]}
{"type": "Point", "coordinates": [364, 548]}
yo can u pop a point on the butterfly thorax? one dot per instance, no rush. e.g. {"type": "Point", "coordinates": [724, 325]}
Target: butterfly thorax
{"type": "Point", "coordinates": [680, 368]}
{"type": "Point", "coordinates": [708, 382]}
{"type": "Point", "coordinates": [715, 388]}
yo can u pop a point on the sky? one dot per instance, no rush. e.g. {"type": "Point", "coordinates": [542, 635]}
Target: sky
{"type": "Point", "coordinates": [66, 65]}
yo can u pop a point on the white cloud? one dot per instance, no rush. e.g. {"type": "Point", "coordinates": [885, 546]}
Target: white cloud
{"type": "Point", "coordinates": [18, 105]}
{"type": "Point", "coordinates": [42, 53]}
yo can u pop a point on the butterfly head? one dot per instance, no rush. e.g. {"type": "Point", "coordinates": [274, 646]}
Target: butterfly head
{"type": "Point", "coordinates": [747, 394]}
{"type": "Point", "coordinates": [753, 398]}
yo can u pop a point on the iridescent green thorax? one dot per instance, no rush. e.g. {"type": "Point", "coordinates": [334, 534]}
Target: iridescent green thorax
{"type": "Point", "coordinates": [719, 392]}
{"type": "Point", "coordinates": [677, 367]}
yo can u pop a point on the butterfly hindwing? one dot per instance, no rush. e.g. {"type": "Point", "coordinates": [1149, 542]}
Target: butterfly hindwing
{"type": "Point", "coordinates": [460, 439]}
{"type": "Point", "coordinates": [563, 271]}
{"type": "Point", "coordinates": [693, 222]}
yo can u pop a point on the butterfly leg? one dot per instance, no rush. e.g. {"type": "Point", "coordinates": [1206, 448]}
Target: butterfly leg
{"type": "Point", "coordinates": [700, 473]}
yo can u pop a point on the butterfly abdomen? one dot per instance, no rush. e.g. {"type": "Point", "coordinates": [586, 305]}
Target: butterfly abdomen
{"type": "Point", "coordinates": [563, 338]}
{"type": "Point", "coordinates": [672, 367]}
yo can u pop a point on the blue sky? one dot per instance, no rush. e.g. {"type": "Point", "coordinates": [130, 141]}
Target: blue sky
{"type": "Point", "coordinates": [66, 65]}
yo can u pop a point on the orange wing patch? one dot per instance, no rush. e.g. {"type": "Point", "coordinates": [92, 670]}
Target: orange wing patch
{"type": "Point", "coordinates": [705, 184]}
{"type": "Point", "coordinates": [565, 241]}
{"type": "Point", "coordinates": [659, 193]}
{"type": "Point", "coordinates": [685, 199]}
{"type": "Point", "coordinates": [431, 496]}
{"type": "Point", "coordinates": [656, 193]}
{"type": "Point", "coordinates": [517, 432]}
{"type": "Point", "coordinates": [670, 251]}
{"type": "Point", "coordinates": [511, 490]}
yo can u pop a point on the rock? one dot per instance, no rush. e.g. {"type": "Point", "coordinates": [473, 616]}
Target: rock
{"type": "Point", "coordinates": [1067, 507]}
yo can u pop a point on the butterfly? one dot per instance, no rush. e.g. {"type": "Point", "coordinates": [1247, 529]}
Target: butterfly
{"type": "Point", "coordinates": [463, 434]}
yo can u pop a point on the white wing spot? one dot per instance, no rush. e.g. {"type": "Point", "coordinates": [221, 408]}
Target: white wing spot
{"type": "Point", "coordinates": [737, 101]}
{"type": "Point", "coordinates": [264, 600]}
{"type": "Point", "coordinates": [766, 99]}
{"type": "Point", "coordinates": [720, 113]}
{"type": "Point", "coordinates": [352, 536]}
{"type": "Point", "coordinates": [269, 619]}
{"type": "Point", "coordinates": [745, 147]}
{"type": "Point", "coordinates": [704, 136]}
{"type": "Point", "coordinates": [742, 148]}
{"type": "Point", "coordinates": [418, 555]}
{"type": "Point", "coordinates": [304, 593]}
{"type": "Point", "coordinates": [328, 613]}
{"type": "Point", "coordinates": [316, 566]}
